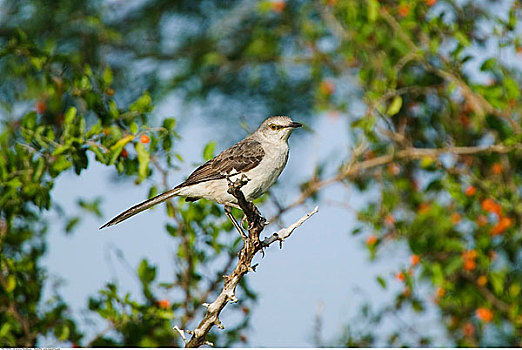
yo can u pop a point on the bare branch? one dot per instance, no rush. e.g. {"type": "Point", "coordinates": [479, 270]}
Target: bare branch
{"type": "Point", "coordinates": [355, 168]}
{"type": "Point", "coordinates": [251, 246]}
{"type": "Point", "coordinates": [284, 233]}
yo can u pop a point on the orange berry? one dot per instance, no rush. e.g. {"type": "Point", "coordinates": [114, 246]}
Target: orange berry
{"type": "Point", "coordinates": [487, 204]}
{"type": "Point", "coordinates": [468, 329]}
{"type": "Point", "coordinates": [470, 191]}
{"type": "Point", "coordinates": [164, 304]}
{"type": "Point", "coordinates": [482, 220]}
{"type": "Point", "coordinates": [468, 160]}
{"type": "Point", "coordinates": [470, 254]}
{"type": "Point", "coordinates": [278, 6]}
{"type": "Point", "coordinates": [455, 218]}
{"type": "Point", "coordinates": [400, 276]}
{"type": "Point", "coordinates": [144, 138]}
{"type": "Point", "coordinates": [389, 220]}
{"type": "Point", "coordinates": [430, 2]}
{"type": "Point", "coordinates": [124, 153]}
{"type": "Point", "coordinates": [394, 168]}
{"type": "Point", "coordinates": [40, 107]}
{"type": "Point", "coordinates": [469, 264]}
{"type": "Point", "coordinates": [423, 208]}
{"type": "Point", "coordinates": [404, 10]}
{"type": "Point", "coordinates": [414, 259]}
{"type": "Point", "coordinates": [110, 92]}
{"type": "Point", "coordinates": [482, 280]}
{"type": "Point", "coordinates": [327, 87]}
{"type": "Point", "coordinates": [371, 240]}
{"type": "Point", "coordinates": [502, 225]}
{"type": "Point", "coordinates": [484, 314]}
{"type": "Point", "coordinates": [496, 169]}
{"type": "Point", "coordinates": [491, 206]}
{"type": "Point", "coordinates": [440, 292]}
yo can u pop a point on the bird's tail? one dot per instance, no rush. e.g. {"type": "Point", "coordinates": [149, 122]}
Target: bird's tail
{"type": "Point", "coordinates": [138, 208]}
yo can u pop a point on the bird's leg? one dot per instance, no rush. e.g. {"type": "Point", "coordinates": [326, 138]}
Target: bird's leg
{"type": "Point", "coordinates": [228, 213]}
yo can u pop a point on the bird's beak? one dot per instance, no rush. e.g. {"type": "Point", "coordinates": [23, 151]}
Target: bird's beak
{"type": "Point", "coordinates": [294, 125]}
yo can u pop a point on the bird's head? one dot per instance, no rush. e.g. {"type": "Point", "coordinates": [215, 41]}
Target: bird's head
{"type": "Point", "coordinates": [277, 128]}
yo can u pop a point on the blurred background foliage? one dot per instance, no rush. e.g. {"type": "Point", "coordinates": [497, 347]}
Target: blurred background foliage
{"type": "Point", "coordinates": [80, 79]}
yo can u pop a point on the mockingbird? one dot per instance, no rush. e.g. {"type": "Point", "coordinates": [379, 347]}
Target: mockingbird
{"type": "Point", "coordinates": [259, 159]}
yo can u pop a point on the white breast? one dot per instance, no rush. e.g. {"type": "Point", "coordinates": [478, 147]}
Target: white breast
{"type": "Point", "coordinates": [266, 173]}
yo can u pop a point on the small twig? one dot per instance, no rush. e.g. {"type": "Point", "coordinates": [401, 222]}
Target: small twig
{"type": "Point", "coordinates": [284, 233]}
{"type": "Point", "coordinates": [182, 334]}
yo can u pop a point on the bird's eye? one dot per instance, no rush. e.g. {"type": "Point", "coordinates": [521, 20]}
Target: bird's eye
{"type": "Point", "coordinates": [273, 127]}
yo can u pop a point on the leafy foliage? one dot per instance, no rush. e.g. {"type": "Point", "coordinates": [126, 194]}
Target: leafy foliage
{"type": "Point", "coordinates": [432, 75]}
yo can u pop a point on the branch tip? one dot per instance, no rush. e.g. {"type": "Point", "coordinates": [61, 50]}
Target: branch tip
{"type": "Point", "coordinates": [181, 333]}
{"type": "Point", "coordinates": [218, 323]}
{"type": "Point", "coordinates": [251, 246]}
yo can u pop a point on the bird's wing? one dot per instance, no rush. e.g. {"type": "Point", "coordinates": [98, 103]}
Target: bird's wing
{"type": "Point", "coordinates": [243, 156]}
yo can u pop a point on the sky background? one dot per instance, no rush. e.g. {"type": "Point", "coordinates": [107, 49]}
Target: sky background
{"type": "Point", "coordinates": [321, 266]}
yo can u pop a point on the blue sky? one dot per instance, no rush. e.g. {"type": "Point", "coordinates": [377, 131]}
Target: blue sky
{"type": "Point", "coordinates": [321, 264]}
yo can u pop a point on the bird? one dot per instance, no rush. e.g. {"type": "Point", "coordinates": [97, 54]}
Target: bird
{"type": "Point", "coordinates": [259, 159]}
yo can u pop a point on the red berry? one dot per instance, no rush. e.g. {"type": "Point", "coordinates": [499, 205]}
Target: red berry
{"type": "Point", "coordinates": [40, 106]}
{"type": "Point", "coordinates": [278, 6]}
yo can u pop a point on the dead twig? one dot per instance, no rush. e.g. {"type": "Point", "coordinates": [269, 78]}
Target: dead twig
{"type": "Point", "coordinates": [251, 246]}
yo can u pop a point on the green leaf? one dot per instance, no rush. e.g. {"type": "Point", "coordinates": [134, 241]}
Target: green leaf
{"type": "Point", "coordinates": [70, 115]}
{"type": "Point", "coordinates": [134, 128]}
{"type": "Point", "coordinates": [169, 123]}
{"type": "Point", "coordinates": [146, 272]}
{"type": "Point", "coordinates": [462, 38]}
{"type": "Point", "coordinates": [143, 160]}
{"type": "Point", "coordinates": [29, 120]}
{"type": "Point", "coordinates": [497, 281]}
{"type": "Point", "coordinates": [92, 206]}
{"type": "Point", "coordinates": [512, 89]}
{"type": "Point", "coordinates": [10, 283]}
{"type": "Point", "coordinates": [373, 10]}
{"type": "Point", "coordinates": [64, 333]}
{"type": "Point", "coordinates": [60, 164]}
{"type": "Point", "coordinates": [381, 281]}
{"type": "Point", "coordinates": [71, 224]}
{"type": "Point", "coordinates": [95, 129]}
{"type": "Point", "coordinates": [208, 151]}
{"type": "Point", "coordinates": [395, 106]}
{"type": "Point", "coordinates": [488, 64]}
{"type": "Point", "coordinates": [61, 149]}
{"type": "Point", "coordinates": [118, 147]}
{"type": "Point", "coordinates": [143, 104]}
{"type": "Point", "coordinates": [40, 167]}
{"type": "Point", "coordinates": [107, 76]}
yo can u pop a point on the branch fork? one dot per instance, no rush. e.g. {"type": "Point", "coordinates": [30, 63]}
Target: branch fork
{"type": "Point", "coordinates": [251, 246]}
